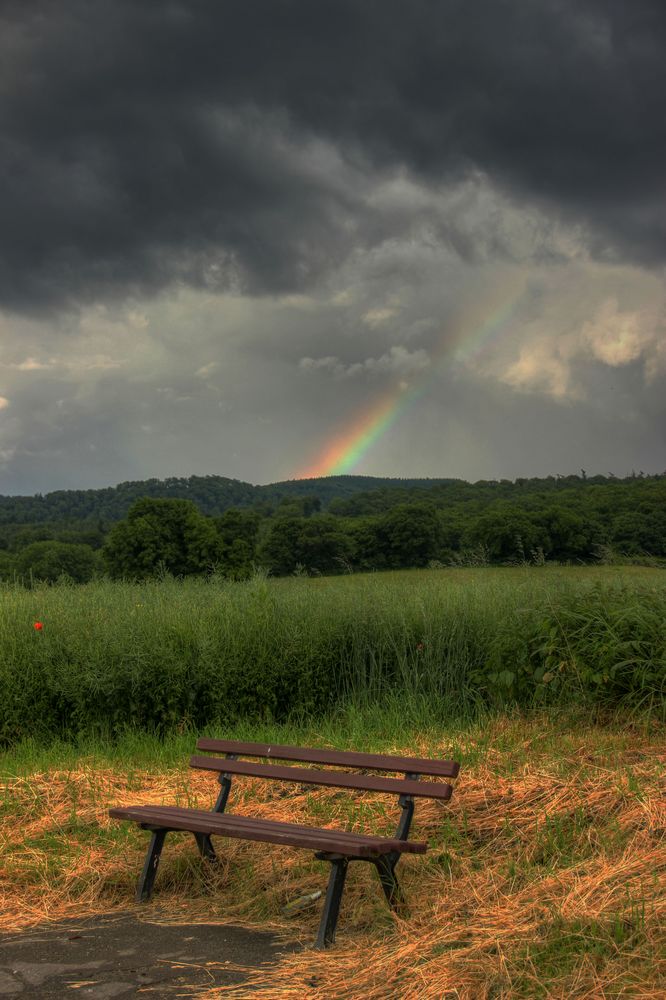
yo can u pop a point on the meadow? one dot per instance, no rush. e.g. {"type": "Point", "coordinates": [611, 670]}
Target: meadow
{"type": "Point", "coordinates": [434, 643]}
{"type": "Point", "coordinates": [547, 873]}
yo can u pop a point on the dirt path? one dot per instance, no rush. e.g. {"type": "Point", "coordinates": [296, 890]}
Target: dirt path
{"type": "Point", "coordinates": [119, 956]}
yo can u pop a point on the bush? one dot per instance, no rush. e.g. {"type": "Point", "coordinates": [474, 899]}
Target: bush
{"type": "Point", "coordinates": [48, 561]}
{"type": "Point", "coordinates": [604, 644]}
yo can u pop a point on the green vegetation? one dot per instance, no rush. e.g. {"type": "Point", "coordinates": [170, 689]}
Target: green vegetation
{"type": "Point", "coordinates": [433, 644]}
{"type": "Point", "coordinates": [48, 561]}
{"type": "Point", "coordinates": [202, 525]}
{"type": "Point", "coordinates": [170, 535]}
{"type": "Point", "coordinates": [567, 946]}
{"type": "Point", "coordinates": [137, 617]}
{"type": "Point", "coordinates": [211, 494]}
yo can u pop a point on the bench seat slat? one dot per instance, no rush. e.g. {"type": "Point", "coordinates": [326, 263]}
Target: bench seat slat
{"type": "Point", "coordinates": [336, 779]}
{"type": "Point", "coordinates": [340, 758]}
{"type": "Point", "coordinates": [267, 831]}
{"type": "Point", "coordinates": [239, 820]}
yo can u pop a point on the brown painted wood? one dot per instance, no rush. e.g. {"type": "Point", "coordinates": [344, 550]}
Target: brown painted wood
{"type": "Point", "coordinates": [266, 831]}
{"type": "Point", "coordinates": [341, 758]}
{"type": "Point", "coordinates": [219, 819]}
{"type": "Point", "coordinates": [336, 779]}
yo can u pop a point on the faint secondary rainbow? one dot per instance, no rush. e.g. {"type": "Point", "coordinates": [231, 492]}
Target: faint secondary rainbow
{"type": "Point", "coordinates": [348, 445]}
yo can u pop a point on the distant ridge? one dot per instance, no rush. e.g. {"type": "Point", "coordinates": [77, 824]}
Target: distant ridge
{"type": "Point", "coordinates": [346, 495]}
{"type": "Point", "coordinates": [212, 495]}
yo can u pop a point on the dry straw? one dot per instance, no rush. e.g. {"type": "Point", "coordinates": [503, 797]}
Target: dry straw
{"type": "Point", "coordinates": [572, 843]}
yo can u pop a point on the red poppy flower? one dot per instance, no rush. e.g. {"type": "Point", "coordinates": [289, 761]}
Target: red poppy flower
{"type": "Point", "coordinates": [419, 647]}
{"type": "Point", "coordinates": [38, 626]}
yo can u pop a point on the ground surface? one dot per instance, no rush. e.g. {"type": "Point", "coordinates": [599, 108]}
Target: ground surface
{"type": "Point", "coordinates": [546, 877]}
{"type": "Point", "coordinates": [119, 956]}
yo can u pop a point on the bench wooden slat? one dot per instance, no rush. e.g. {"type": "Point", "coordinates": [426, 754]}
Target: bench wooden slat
{"type": "Point", "coordinates": [239, 819]}
{"type": "Point", "coordinates": [266, 831]}
{"type": "Point", "coordinates": [341, 758]}
{"type": "Point", "coordinates": [336, 779]}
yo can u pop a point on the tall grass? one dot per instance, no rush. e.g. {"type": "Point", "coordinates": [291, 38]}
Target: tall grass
{"type": "Point", "coordinates": [426, 645]}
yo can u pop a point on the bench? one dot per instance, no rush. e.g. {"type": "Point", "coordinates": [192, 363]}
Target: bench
{"type": "Point", "coordinates": [338, 847]}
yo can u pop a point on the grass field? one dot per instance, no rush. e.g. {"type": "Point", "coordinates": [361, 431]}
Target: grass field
{"type": "Point", "coordinates": [546, 877]}
{"type": "Point", "coordinates": [175, 654]}
{"type": "Point", "coordinates": [547, 871]}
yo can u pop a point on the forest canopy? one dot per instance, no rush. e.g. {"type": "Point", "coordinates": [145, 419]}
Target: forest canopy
{"type": "Point", "coordinates": [336, 524]}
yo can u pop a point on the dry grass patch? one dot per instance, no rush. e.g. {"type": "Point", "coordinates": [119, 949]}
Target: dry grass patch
{"type": "Point", "coordinates": [546, 878]}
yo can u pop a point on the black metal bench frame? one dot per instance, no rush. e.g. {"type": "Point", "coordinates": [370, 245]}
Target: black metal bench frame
{"type": "Point", "coordinates": [337, 846]}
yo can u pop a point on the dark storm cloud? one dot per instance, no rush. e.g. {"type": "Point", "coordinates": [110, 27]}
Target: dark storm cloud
{"type": "Point", "coordinates": [234, 143]}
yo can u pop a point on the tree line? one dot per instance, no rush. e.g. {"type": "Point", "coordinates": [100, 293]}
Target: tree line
{"type": "Point", "coordinates": [558, 519]}
{"type": "Point", "coordinates": [212, 495]}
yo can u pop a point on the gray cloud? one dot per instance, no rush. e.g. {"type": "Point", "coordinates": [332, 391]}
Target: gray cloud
{"type": "Point", "coordinates": [396, 361]}
{"type": "Point", "coordinates": [194, 382]}
{"type": "Point", "coordinates": [236, 145]}
{"type": "Point", "coordinates": [227, 230]}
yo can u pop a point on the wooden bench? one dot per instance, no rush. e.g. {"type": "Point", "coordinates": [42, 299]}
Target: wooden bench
{"type": "Point", "coordinates": [338, 847]}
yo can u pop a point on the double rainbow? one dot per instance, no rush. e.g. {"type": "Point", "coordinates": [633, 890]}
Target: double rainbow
{"type": "Point", "coordinates": [347, 446]}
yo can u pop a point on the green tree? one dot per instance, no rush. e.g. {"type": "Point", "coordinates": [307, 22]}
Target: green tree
{"type": "Point", "coordinates": [162, 534]}
{"type": "Point", "coordinates": [50, 560]}
{"type": "Point", "coordinates": [237, 531]}
{"type": "Point", "coordinates": [280, 551]}
{"type": "Point", "coordinates": [409, 535]}
{"type": "Point", "coordinates": [304, 506]}
{"type": "Point", "coordinates": [507, 533]}
{"type": "Point", "coordinates": [368, 551]}
{"type": "Point", "coordinates": [317, 543]}
{"type": "Point", "coordinates": [7, 565]}
{"type": "Point", "coordinates": [572, 537]}
{"type": "Point", "coordinates": [640, 531]}
{"type": "Point", "coordinates": [325, 545]}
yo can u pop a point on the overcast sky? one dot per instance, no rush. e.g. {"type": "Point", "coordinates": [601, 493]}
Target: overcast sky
{"type": "Point", "coordinates": [233, 232]}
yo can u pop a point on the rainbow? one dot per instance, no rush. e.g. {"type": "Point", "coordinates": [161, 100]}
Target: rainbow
{"type": "Point", "coordinates": [347, 446]}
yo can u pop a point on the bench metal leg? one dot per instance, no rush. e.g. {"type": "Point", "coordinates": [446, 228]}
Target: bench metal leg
{"type": "Point", "coordinates": [329, 917]}
{"type": "Point", "coordinates": [389, 883]}
{"type": "Point", "coordinates": [205, 845]}
{"type": "Point", "coordinates": [145, 886]}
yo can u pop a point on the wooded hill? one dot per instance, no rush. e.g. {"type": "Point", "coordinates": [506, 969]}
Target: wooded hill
{"type": "Point", "coordinates": [212, 495]}
{"type": "Point", "coordinates": [335, 524]}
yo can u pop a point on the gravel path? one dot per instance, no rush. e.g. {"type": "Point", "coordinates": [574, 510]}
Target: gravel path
{"type": "Point", "coordinates": [99, 958]}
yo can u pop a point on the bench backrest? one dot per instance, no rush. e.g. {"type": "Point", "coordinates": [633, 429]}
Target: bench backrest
{"type": "Point", "coordinates": [406, 788]}
{"type": "Point", "coordinates": [343, 758]}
